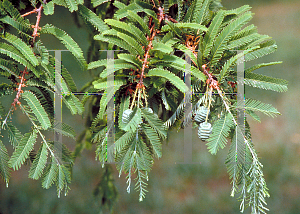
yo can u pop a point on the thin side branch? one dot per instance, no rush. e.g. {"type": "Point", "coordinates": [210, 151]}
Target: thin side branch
{"type": "Point", "coordinates": [215, 85]}
{"type": "Point", "coordinates": [30, 12]}
{"type": "Point", "coordinates": [161, 16]}
{"type": "Point", "coordinates": [36, 27]}
{"type": "Point", "coordinates": [42, 136]}
{"type": "Point", "coordinates": [153, 32]}
{"type": "Point", "coordinates": [19, 89]}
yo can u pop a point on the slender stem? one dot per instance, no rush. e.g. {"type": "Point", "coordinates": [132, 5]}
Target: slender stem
{"type": "Point", "coordinates": [30, 12]}
{"type": "Point", "coordinates": [245, 140]}
{"type": "Point", "coordinates": [149, 47]}
{"type": "Point", "coordinates": [145, 96]}
{"type": "Point", "coordinates": [5, 120]}
{"type": "Point", "coordinates": [133, 100]}
{"type": "Point", "coordinates": [36, 27]}
{"type": "Point", "coordinates": [42, 136]}
{"type": "Point", "coordinates": [139, 96]}
{"type": "Point", "coordinates": [19, 89]}
{"type": "Point", "coordinates": [16, 100]}
{"type": "Point", "coordinates": [153, 32]}
{"type": "Point", "coordinates": [206, 95]}
{"type": "Point", "coordinates": [210, 93]}
{"type": "Point", "coordinates": [214, 84]}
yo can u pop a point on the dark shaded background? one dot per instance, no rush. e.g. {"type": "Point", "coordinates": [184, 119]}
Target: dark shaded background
{"type": "Point", "coordinates": [174, 188]}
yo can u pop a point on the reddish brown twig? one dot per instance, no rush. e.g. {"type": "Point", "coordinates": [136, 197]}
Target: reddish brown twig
{"type": "Point", "coordinates": [35, 34]}
{"type": "Point", "coordinates": [161, 16]}
{"type": "Point", "coordinates": [30, 12]}
{"type": "Point", "coordinates": [140, 85]}
{"type": "Point", "coordinates": [36, 26]}
{"type": "Point", "coordinates": [153, 32]}
{"type": "Point", "coordinates": [19, 89]}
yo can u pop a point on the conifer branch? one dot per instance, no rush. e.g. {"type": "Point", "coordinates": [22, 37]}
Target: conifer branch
{"type": "Point", "coordinates": [42, 136]}
{"type": "Point", "coordinates": [161, 16]}
{"type": "Point", "coordinates": [214, 84]}
{"type": "Point", "coordinates": [150, 44]}
{"type": "Point", "coordinates": [153, 32]}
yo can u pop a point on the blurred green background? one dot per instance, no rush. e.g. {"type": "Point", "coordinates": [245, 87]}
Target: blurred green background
{"type": "Point", "coordinates": [177, 188]}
